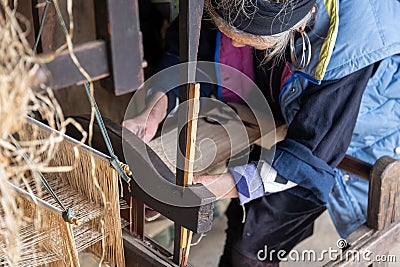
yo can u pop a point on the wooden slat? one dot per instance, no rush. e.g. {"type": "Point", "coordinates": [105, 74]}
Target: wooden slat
{"type": "Point", "coordinates": [360, 235]}
{"type": "Point", "coordinates": [216, 142]}
{"type": "Point", "coordinates": [120, 28]}
{"type": "Point", "coordinates": [197, 209]}
{"type": "Point", "coordinates": [63, 71]}
{"type": "Point", "coordinates": [193, 113]}
{"type": "Point", "coordinates": [356, 166]}
{"type": "Point", "coordinates": [28, 10]}
{"type": "Point", "coordinates": [193, 23]}
{"type": "Point", "coordinates": [379, 244]}
{"type": "Point", "coordinates": [52, 35]}
{"type": "Point", "coordinates": [138, 217]}
{"type": "Point", "coordinates": [138, 253]}
{"type": "Point", "coordinates": [190, 13]}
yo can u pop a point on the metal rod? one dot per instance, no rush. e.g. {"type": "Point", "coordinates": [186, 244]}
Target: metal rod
{"type": "Point", "coordinates": [48, 2]}
{"type": "Point", "coordinates": [36, 199]}
{"type": "Point", "coordinates": [38, 174]}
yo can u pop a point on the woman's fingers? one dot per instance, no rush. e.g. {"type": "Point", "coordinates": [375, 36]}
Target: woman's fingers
{"type": "Point", "coordinates": [132, 125]}
{"type": "Point", "coordinates": [222, 185]}
{"type": "Point", "coordinates": [144, 127]}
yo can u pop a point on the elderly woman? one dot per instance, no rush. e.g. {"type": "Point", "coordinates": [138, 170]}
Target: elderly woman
{"type": "Point", "coordinates": [316, 62]}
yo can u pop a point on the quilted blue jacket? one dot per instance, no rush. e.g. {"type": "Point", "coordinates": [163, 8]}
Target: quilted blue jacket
{"type": "Point", "coordinates": [344, 42]}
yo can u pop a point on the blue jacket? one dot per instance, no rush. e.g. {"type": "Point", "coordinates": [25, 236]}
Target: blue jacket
{"type": "Point", "coordinates": [377, 134]}
{"type": "Point", "coordinates": [342, 43]}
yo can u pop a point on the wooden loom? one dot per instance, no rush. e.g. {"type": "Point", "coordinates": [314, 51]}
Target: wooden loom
{"type": "Point", "coordinates": [48, 239]}
{"type": "Point", "coordinates": [110, 57]}
{"type": "Point", "coordinates": [101, 58]}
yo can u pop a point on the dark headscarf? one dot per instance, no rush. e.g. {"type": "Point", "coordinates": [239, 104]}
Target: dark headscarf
{"type": "Point", "coordinates": [261, 17]}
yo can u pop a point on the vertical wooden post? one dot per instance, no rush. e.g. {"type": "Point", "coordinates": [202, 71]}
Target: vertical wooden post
{"type": "Point", "coordinates": [193, 112]}
{"type": "Point", "coordinates": [120, 28]}
{"type": "Point", "coordinates": [384, 189]}
{"type": "Point", "coordinates": [383, 192]}
{"type": "Point", "coordinates": [138, 217]}
{"type": "Point", "coordinates": [190, 13]}
{"type": "Point", "coordinates": [30, 12]}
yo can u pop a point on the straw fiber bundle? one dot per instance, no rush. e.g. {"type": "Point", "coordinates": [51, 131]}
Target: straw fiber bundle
{"type": "Point", "coordinates": [83, 180]}
{"type": "Point", "coordinates": [44, 240]}
{"type": "Point", "coordinates": [18, 99]}
{"type": "Point", "coordinates": [33, 234]}
{"type": "Point", "coordinates": [90, 186]}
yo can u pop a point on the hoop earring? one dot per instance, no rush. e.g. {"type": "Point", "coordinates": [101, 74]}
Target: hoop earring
{"type": "Point", "coordinates": [306, 45]}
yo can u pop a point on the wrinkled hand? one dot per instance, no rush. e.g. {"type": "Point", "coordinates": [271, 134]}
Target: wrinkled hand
{"type": "Point", "coordinates": [221, 185]}
{"type": "Point", "coordinates": [144, 126]}
{"type": "Point", "coordinates": [146, 123]}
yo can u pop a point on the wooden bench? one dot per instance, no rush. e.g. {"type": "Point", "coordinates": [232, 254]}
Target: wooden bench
{"type": "Point", "coordinates": [382, 229]}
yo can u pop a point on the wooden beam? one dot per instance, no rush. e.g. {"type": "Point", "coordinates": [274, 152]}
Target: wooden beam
{"type": "Point", "coordinates": [52, 36]}
{"type": "Point", "coordinates": [150, 172]}
{"type": "Point", "coordinates": [30, 12]}
{"type": "Point", "coordinates": [63, 71]}
{"type": "Point", "coordinates": [356, 166]}
{"type": "Point", "coordinates": [138, 217]}
{"type": "Point", "coordinates": [190, 14]}
{"type": "Point", "coordinates": [193, 113]}
{"type": "Point", "coordinates": [191, 209]}
{"type": "Point", "coordinates": [117, 22]}
{"type": "Point", "coordinates": [138, 253]}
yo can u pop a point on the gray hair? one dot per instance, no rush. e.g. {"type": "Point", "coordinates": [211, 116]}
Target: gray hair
{"type": "Point", "coordinates": [279, 40]}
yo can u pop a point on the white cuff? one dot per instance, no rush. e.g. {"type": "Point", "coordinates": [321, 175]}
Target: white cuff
{"type": "Point", "coordinates": [270, 179]}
